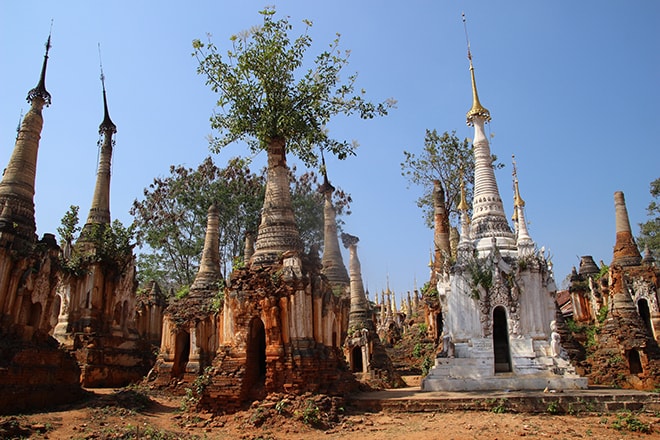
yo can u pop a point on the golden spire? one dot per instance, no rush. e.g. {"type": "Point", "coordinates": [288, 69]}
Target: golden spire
{"type": "Point", "coordinates": [518, 202]}
{"type": "Point", "coordinates": [477, 109]}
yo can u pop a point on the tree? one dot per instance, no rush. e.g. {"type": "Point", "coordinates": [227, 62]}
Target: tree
{"type": "Point", "coordinates": [171, 219]}
{"type": "Point", "coordinates": [267, 99]}
{"type": "Point", "coordinates": [308, 207]}
{"type": "Point", "coordinates": [444, 159]}
{"type": "Point", "coordinates": [650, 230]}
{"type": "Point", "coordinates": [110, 244]}
{"type": "Point", "coordinates": [69, 228]}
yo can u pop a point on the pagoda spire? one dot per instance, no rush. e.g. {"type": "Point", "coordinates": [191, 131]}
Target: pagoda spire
{"type": "Point", "coordinates": [523, 240]}
{"type": "Point", "coordinates": [209, 274]}
{"type": "Point", "coordinates": [333, 264]}
{"type": "Point", "coordinates": [358, 314]}
{"type": "Point", "coordinates": [99, 212]}
{"type": "Point", "coordinates": [17, 185]}
{"type": "Point", "coordinates": [489, 220]}
{"type": "Point", "coordinates": [625, 248]}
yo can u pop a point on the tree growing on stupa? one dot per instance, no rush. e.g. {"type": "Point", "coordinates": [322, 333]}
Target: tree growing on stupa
{"type": "Point", "coordinates": [269, 98]}
{"type": "Point", "coordinates": [649, 235]}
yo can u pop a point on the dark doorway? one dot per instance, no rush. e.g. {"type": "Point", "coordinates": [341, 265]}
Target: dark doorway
{"type": "Point", "coordinates": [356, 358]}
{"type": "Point", "coordinates": [181, 353]}
{"type": "Point", "coordinates": [35, 315]}
{"type": "Point", "coordinates": [255, 369]}
{"type": "Point", "coordinates": [634, 362]}
{"type": "Point", "coordinates": [501, 341]}
{"type": "Point", "coordinates": [645, 314]}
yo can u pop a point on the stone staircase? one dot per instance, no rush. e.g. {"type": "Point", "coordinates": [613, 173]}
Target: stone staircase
{"type": "Point", "coordinates": [594, 400]}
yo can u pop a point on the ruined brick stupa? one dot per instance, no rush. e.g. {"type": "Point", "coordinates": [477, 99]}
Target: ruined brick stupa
{"type": "Point", "coordinates": [498, 298]}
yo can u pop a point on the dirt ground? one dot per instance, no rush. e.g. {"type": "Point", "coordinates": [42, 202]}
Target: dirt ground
{"type": "Point", "coordinates": [127, 414]}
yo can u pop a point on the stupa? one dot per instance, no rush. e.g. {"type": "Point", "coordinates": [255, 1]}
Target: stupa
{"type": "Point", "coordinates": [498, 304]}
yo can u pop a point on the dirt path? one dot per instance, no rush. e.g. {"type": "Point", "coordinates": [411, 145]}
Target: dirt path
{"type": "Point", "coordinates": [128, 414]}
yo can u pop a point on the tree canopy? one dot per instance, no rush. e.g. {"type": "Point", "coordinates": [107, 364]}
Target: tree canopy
{"type": "Point", "coordinates": [170, 220]}
{"type": "Point", "coordinates": [444, 158]}
{"type": "Point", "coordinates": [266, 92]}
{"type": "Point", "coordinates": [650, 230]}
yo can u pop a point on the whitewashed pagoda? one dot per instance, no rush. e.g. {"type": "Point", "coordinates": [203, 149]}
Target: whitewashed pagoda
{"type": "Point", "coordinates": [497, 299]}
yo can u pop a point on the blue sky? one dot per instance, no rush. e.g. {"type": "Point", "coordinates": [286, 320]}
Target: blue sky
{"type": "Point", "coordinates": [572, 88]}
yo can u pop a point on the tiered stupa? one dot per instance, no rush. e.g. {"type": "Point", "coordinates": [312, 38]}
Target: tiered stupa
{"type": "Point", "coordinates": [34, 371]}
{"type": "Point", "coordinates": [498, 298]}
{"type": "Point", "coordinates": [190, 325]}
{"type": "Point", "coordinates": [98, 316]}
{"type": "Point", "coordinates": [333, 264]}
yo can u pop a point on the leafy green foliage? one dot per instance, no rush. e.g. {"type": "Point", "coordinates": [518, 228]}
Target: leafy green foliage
{"type": "Point", "coordinates": [443, 158]}
{"type": "Point", "coordinates": [266, 92]}
{"type": "Point", "coordinates": [481, 274]}
{"type": "Point", "coordinates": [308, 203]}
{"type": "Point", "coordinates": [627, 421]}
{"type": "Point", "coordinates": [553, 407]}
{"type": "Point", "coordinates": [170, 221]}
{"type": "Point", "coordinates": [69, 229]}
{"type": "Point", "coordinates": [110, 244]}
{"type": "Point", "coordinates": [195, 392]}
{"type": "Point", "coordinates": [649, 234]}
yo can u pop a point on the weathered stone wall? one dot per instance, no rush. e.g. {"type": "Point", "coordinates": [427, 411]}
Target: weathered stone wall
{"type": "Point", "coordinates": [34, 371]}
{"type": "Point", "coordinates": [275, 336]}
{"type": "Point", "coordinates": [625, 353]}
{"type": "Point", "coordinates": [100, 326]}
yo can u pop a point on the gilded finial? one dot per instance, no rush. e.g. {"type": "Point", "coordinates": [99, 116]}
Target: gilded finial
{"type": "Point", "coordinates": [477, 109]}
{"type": "Point", "coordinates": [517, 200]}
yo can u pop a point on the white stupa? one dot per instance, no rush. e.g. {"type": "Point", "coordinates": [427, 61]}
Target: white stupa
{"type": "Point", "coordinates": [498, 299]}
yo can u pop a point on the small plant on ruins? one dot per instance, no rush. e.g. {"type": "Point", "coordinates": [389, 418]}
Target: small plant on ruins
{"type": "Point", "coordinates": [615, 360]}
{"type": "Point", "coordinates": [337, 291]}
{"type": "Point", "coordinates": [218, 300]}
{"type": "Point", "coordinates": [481, 275]}
{"type": "Point", "coordinates": [110, 244]}
{"type": "Point", "coordinates": [426, 365]}
{"type": "Point", "coordinates": [553, 407]}
{"type": "Point", "coordinates": [422, 329]}
{"type": "Point", "coordinates": [573, 326]}
{"type": "Point", "coordinates": [182, 292]}
{"type": "Point", "coordinates": [602, 314]}
{"type": "Point", "coordinates": [238, 263]}
{"type": "Point", "coordinates": [281, 406]}
{"type": "Point", "coordinates": [417, 350]}
{"type": "Point", "coordinates": [604, 270]}
{"type": "Point", "coordinates": [310, 414]}
{"type": "Point", "coordinates": [195, 391]}
{"type": "Point", "coordinates": [500, 407]}
{"type": "Point", "coordinates": [429, 291]}
{"type": "Point", "coordinates": [627, 421]}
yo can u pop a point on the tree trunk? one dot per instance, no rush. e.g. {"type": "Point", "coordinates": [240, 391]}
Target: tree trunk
{"type": "Point", "coordinates": [277, 232]}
